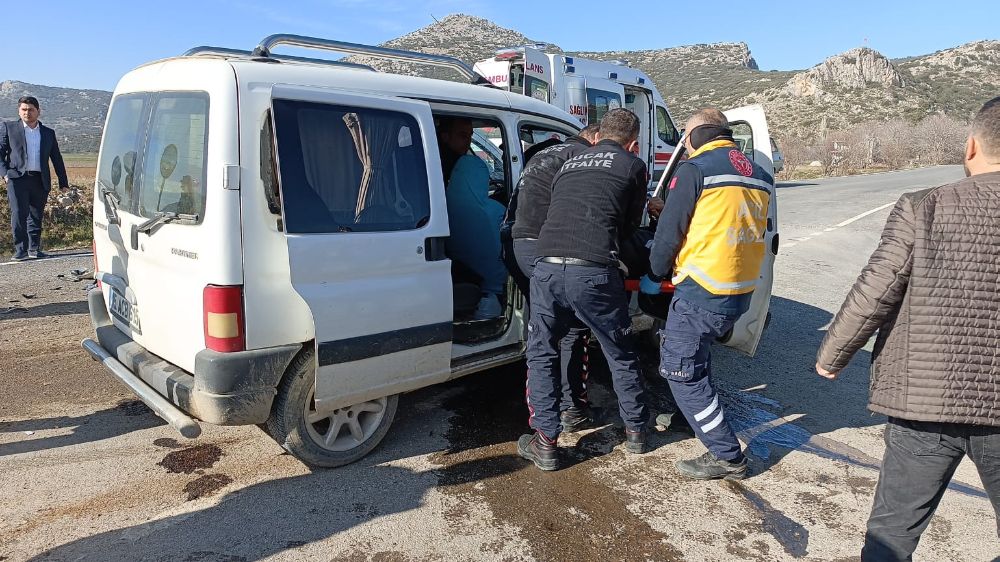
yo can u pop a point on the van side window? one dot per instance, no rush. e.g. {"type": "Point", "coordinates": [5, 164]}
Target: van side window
{"type": "Point", "coordinates": [173, 173]}
{"type": "Point", "coordinates": [665, 127]}
{"type": "Point", "coordinates": [535, 138]}
{"type": "Point", "coordinates": [122, 146]}
{"type": "Point", "coordinates": [350, 169]}
{"type": "Point", "coordinates": [269, 167]}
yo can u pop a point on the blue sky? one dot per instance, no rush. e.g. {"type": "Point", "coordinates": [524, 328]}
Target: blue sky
{"type": "Point", "coordinates": [90, 44]}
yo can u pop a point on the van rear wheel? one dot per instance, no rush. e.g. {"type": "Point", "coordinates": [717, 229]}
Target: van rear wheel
{"type": "Point", "coordinates": [328, 438]}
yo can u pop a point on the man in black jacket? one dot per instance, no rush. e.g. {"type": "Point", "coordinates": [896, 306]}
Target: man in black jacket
{"type": "Point", "coordinates": [597, 199]}
{"type": "Point", "coordinates": [26, 147]}
{"type": "Point", "coordinates": [532, 196]}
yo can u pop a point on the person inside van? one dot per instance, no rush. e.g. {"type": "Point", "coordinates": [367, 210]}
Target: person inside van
{"type": "Point", "coordinates": [473, 217]}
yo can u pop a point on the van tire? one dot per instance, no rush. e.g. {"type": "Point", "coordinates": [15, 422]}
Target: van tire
{"type": "Point", "coordinates": [290, 427]}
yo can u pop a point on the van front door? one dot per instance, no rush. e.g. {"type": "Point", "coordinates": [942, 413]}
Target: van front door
{"type": "Point", "coordinates": [749, 122]}
{"type": "Point", "coordinates": [365, 219]}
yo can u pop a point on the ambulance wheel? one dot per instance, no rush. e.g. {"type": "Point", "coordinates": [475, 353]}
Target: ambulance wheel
{"type": "Point", "coordinates": [326, 439]}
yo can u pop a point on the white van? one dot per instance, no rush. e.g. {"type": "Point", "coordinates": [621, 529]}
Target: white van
{"type": "Point", "coordinates": [588, 89]}
{"type": "Point", "coordinates": [270, 239]}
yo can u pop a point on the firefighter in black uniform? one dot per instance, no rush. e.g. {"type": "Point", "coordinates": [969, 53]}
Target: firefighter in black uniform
{"type": "Point", "coordinates": [597, 199]}
{"type": "Point", "coordinates": [532, 195]}
{"type": "Point", "coordinates": [710, 241]}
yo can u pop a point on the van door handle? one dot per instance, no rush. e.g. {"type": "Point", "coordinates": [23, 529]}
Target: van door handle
{"type": "Point", "coordinates": [434, 248]}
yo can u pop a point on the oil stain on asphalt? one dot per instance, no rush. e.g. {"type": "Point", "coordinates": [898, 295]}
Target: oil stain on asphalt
{"type": "Point", "coordinates": [191, 459]}
{"type": "Point", "coordinates": [569, 514]}
{"type": "Point", "coordinates": [206, 485]}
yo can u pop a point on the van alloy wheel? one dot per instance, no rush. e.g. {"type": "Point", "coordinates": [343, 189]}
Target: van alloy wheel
{"type": "Point", "coordinates": [331, 438]}
{"type": "Point", "coordinates": [344, 428]}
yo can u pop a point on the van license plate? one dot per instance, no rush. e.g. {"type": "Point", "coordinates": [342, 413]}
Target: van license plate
{"type": "Point", "coordinates": [124, 311]}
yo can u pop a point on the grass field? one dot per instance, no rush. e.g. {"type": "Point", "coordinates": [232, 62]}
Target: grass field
{"type": "Point", "coordinates": [65, 225]}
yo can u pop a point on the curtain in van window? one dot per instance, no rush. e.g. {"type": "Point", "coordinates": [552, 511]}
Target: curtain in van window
{"type": "Point", "coordinates": [331, 164]}
{"type": "Point", "coordinates": [375, 141]}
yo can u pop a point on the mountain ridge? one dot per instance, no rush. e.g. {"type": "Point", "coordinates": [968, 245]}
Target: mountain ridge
{"type": "Point", "coordinates": [841, 91]}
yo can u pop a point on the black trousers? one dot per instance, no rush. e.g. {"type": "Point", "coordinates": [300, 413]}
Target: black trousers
{"type": "Point", "coordinates": [562, 296]}
{"type": "Point", "coordinates": [27, 199]}
{"type": "Point", "coordinates": [573, 360]}
{"type": "Point", "coordinates": [920, 460]}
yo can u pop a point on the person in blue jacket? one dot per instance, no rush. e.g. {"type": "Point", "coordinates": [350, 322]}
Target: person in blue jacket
{"type": "Point", "coordinates": [473, 218]}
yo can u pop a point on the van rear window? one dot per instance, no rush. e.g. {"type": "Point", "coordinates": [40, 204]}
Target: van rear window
{"type": "Point", "coordinates": [348, 169]}
{"type": "Point", "coordinates": [122, 147]}
{"type": "Point", "coordinates": [173, 174]}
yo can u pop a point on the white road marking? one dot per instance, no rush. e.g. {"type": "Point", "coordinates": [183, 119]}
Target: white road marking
{"type": "Point", "coordinates": [865, 214]}
{"type": "Point", "coordinates": [796, 241]}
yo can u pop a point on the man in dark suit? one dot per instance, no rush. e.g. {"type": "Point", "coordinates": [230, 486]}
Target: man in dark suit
{"type": "Point", "coordinates": [26, 147]}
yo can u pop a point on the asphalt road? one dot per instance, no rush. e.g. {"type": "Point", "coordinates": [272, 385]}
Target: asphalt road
{"type": "Point", "coordinates": [91, 474]}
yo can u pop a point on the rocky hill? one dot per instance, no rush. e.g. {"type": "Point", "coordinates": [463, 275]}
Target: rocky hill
{"type": "Point", "coordinates": [76, 115]}
{"type": "Point", "coordinates": [846, 89]}
{"type": "Point", "coordinates": [465, 37]}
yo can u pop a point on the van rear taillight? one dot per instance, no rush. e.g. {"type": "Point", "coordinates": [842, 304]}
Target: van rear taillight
{"type": "Point", "coordinates": [223, 318]}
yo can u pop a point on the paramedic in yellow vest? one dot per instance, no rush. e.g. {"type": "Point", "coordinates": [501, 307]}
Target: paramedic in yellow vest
{"type": "Point", "coordinates": [710, 242]}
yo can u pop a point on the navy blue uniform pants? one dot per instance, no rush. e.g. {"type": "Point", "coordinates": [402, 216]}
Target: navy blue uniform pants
{"type": "Point", "coordinates": [27, 199]}
{"type": "Point", "coordinates": [573, 361]}
{"type": "Point", "coordinates": [686, 363]}
{"type": "Point", "coordinates": [596, 295]}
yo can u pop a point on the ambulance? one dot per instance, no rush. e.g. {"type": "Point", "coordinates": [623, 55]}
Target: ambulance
{"type": "Point", "coordinates": [587, 89]}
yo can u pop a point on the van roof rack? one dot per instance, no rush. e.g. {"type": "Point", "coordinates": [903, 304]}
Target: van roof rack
{"type": "Point", "coordinates": [206, 50]}
{"type": "Point", "coordinates": [263, 50]}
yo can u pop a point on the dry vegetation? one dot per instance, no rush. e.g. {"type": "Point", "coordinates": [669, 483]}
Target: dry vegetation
{"type": "Point", "coordinates": [876, 146]}
{"type": "Point", "coordinates": [67, 223]}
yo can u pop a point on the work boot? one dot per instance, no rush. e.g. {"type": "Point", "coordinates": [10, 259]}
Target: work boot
{"type": "Point", "coordinates": [539, 450]}
{"type": "Point", "coordinates": [707, 467]}
{"type": "Point", "coordinates": [19, 257]}
{"type": "Point", "coordinates": [488, 307]}
{"type": "Point", "coordinates": [576, 418]}
{"type": "Point", "coordinates": [635, 441]}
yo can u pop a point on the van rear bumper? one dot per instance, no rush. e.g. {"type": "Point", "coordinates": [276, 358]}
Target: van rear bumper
{"type": "Point", "coordinates": [234, 388]}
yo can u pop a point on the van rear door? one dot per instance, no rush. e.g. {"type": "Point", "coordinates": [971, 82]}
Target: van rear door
{"type": "Point", "coordinates": [749, 121]}
{"type": "Point", "coordinates": [365, 220]}
{"type": "Point", "coordinates": [537, 67]}
{"type": "Point", "coordinates": [178, 230]}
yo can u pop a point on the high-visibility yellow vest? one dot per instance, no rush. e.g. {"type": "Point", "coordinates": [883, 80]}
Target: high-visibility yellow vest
{"type": "Point", "coordinates": [724, 248]}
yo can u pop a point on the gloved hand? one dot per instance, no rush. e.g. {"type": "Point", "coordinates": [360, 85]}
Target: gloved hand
{"type": "Point", "coordinates": [648, 286]}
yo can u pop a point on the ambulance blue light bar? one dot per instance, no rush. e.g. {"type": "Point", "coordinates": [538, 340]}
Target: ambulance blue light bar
{"type": "Point", "coordinates": [613, 76]}
{"type": "Point", "coordinates": [569, 60]}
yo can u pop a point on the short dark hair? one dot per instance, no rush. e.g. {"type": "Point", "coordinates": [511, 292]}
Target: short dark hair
{"type": "Point", "coordinates": [448, 122]}
{"type": "Point", "coordinates": [30, 100]}
{"type": "Point", "coordinates": [620, 125]}
{"type": "Point", "coordinates": [986, 127]}
{"type": "Point", "coordinates": [590, 131]}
